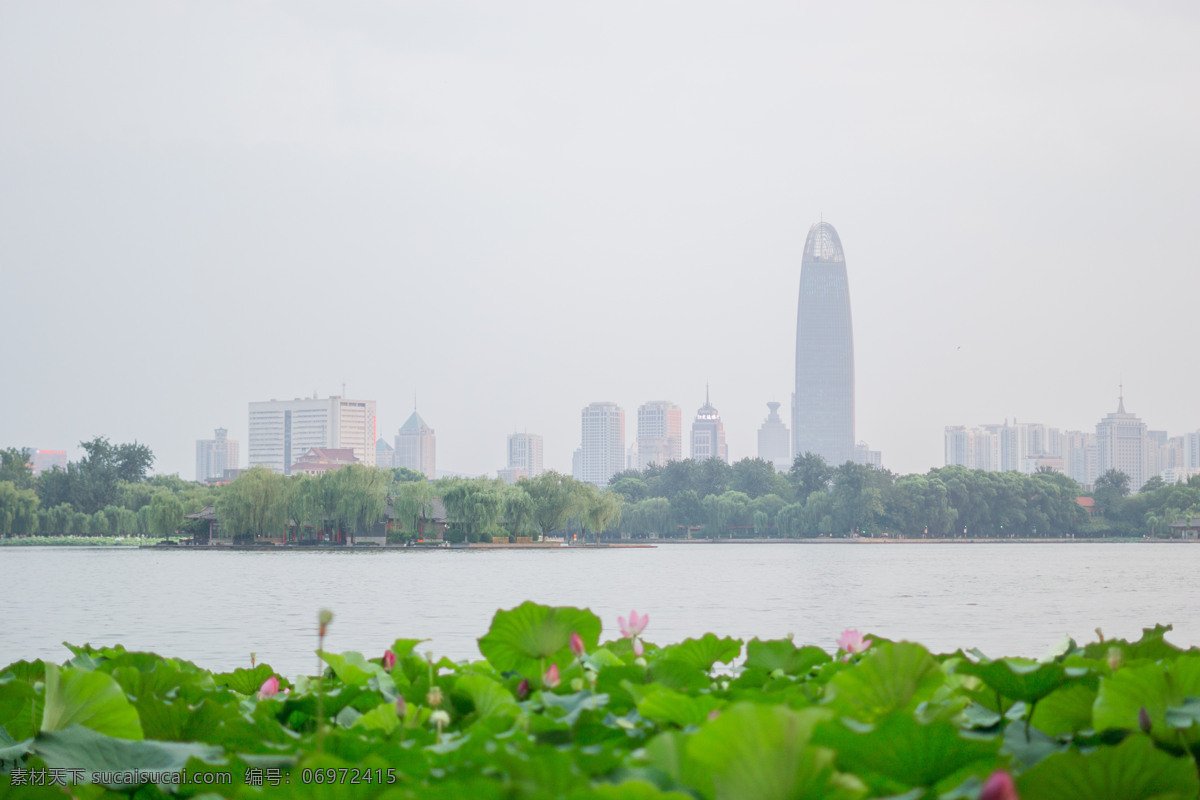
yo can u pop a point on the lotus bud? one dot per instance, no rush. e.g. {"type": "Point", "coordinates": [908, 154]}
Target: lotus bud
{"type": "Point", "coordinates": [639, 649]}
{"type": "Point", "coordinates": [252, 660]}
{"type": "Point", "coordinates": [440, 718]}
{"type": "Point", "coordinates": [389, 660]}
{"type": "Point", "coordinates": [999, 786]}
{"type": "Point", "coordinates": [401, 707]}
{"type": "Point", "coordinates": [1144, 720]}
{"type": "Point", "coordinates": [269, 688]}
{"type": "Point", "coordinates": [1115, 658]}
{"type": "Point", "coordinates": [724, 686]}
{"type": "Point", "coordinates": [640, 662]}
{"type": "Point", "coordinates": [324, 617]}
{"type": "Point", "coordinates": [577, 645]}
{"type": "Point", "coordinates": [712, 715]}
{"type": "Point", "coordinates": [523, 689]}
{"type": "Point", "coordinates": [433, 697]}
{"type": "Point", "coordinates": [577, 684]}
{"type": "Point", "coordinates": [551, 679]}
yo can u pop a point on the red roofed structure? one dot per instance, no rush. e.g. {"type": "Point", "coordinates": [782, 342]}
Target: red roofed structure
{"type": "Point", "coordinates": [319, 460]}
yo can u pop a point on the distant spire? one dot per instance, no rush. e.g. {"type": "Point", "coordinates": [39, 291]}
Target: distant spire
{"type": "Point", "coordinates": [706, 394]}
{"type": "Point", "coordinates": [1121, 398]}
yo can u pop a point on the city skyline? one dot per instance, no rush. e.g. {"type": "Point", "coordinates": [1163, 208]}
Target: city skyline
{"type": "Point", "coordinates": [542, 207]}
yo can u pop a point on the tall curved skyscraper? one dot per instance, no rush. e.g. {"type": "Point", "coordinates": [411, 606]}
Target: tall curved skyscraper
{"type": "Point", "coordinates": [823, 406]}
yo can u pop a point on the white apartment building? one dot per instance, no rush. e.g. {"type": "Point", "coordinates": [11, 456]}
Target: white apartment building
{"type": "Point", "coordinates": [602, 451]}
{"type": "Point", "coordinates": [1121, 445]}
{"type": "Point", "coordinates": [1191, 450]}
{"type": "Point", "coordinates": [283, 430]}
{"type": "Point", "coordinates": [660, 434]}
{"type": "Point", "coordinates": [863, 454]}
{"type": "Point", "coordinates": [1080, 457]}
{"type": "Point", "coordinates": [525, 453]}
{"type": "Point", "coordinates": [973, 448]}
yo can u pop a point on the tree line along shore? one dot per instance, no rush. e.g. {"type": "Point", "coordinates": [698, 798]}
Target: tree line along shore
{"type": "Point", "coordinates": [109, 493]}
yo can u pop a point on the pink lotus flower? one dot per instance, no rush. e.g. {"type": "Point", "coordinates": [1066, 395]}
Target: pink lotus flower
{"type": "Point", "coordinates": [639, 649]}
{"type": "Point", "coordinates": [851, 642]}
{"type": "Point", "coordinates": [269, 688]}
{"type": "Point", "coordinates": [999, 786]}
{"type": "Point", "coordinates": [577, 645]}
{"type": "Point", "coordinates": [635, 625]}
{"type": "Point", "coordinates": [523, 689]}
{"type": "Point", "coordinates": [389, 660]}
{"type": "Point", "coordinates": [550, 680]}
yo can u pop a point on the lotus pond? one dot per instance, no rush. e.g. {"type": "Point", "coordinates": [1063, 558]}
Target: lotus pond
{"type": "Point", "coordinates": [553, 711]}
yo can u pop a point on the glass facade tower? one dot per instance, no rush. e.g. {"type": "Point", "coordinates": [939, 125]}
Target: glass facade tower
{"type": "Point", "coordinates": [823, 405]}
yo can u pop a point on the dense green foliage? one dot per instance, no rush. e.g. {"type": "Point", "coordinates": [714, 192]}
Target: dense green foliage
{"type": "Point", "coordinates": [107, 494]}
{"type": "Point", "coordinates": [748, 499]}
{"type": "Point", "coordinates": [556, 710]}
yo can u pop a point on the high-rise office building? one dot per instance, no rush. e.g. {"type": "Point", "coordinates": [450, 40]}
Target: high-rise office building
{"type": "Point", "coordinates": [660, 434]}
{"type": "Point", "coordinates": [525, 453]}
{"type": "Point", "coordinates": [708, 434]}
{"type": "Point", "coordinates": [823, 406]}
{"type": "Point", "coordinates": [283, 430]}
{"type": "Point", "coordinates": [416, 447]}
{"type": "Point", "coordinates": [602, 451]}
{"type": "Point", "coordinates": [1121, 445]}
{"type": "Point", "coordinates": [774, 442]}
{"type": "Point", "coordinates": [214, 456]}
{"type": "Point", "coordinates": [385, 454]}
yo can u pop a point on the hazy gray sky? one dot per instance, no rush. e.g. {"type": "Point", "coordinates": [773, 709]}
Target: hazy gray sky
{"type": "Point", "coordinates": [515, 209]}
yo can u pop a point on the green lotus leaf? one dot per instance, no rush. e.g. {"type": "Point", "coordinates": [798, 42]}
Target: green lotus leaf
{"type": "Point", "coordinates": [1184, 715]}
{"type": "Point", "coordinates": [488, 696]}
{"type": "Point", "coordinates": [245, 681]}
{"type": "Point", "coordinates": [1020, 678]}
{"type": "Point", "coordinates": [783, 654]}
{"type": "Point", "coordinates": [1066, 710]}
{"type": "Point", "coordinates": [700, 654]}
{"type": "Point", "coordinates": [10, 748]}
{"type": "Point", "coordinates": [28, 671]}
{"type": "Point", "coordinates": [353, 669]}
{"type": "Point", "coordinates": [18, 704]}
{"type": "Point", "coordinates": [893, 676]}
{"type": "Point", "coordinates": [91, 699]}
{"type": "Point", "coordinates": [903, 750]}
{"type": "Point", "coordinates": [1154, 687]}
{"type": "Point", "coordinates": [530, 637]}
{"type": "Point", "coordinates": [404, 647]}
{"type": "Point", "coordinates": [78, 747]}
{"type": "Point", "coordinates": [1133, 770]}
{"type": "Point", "coordinates": [662, 705]}
{"type": "Point", "coordinates": [1151, 646]}
{"type": "Point", "coordinates": [568, 708]}
{"type": "Point", "coordinates": [764, 752]}
{"type": "Point", "coordinates": [628, 790]}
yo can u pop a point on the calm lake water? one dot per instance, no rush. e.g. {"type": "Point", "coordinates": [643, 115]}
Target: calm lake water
{"type": "Point", "coordinates": [216, 608]}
